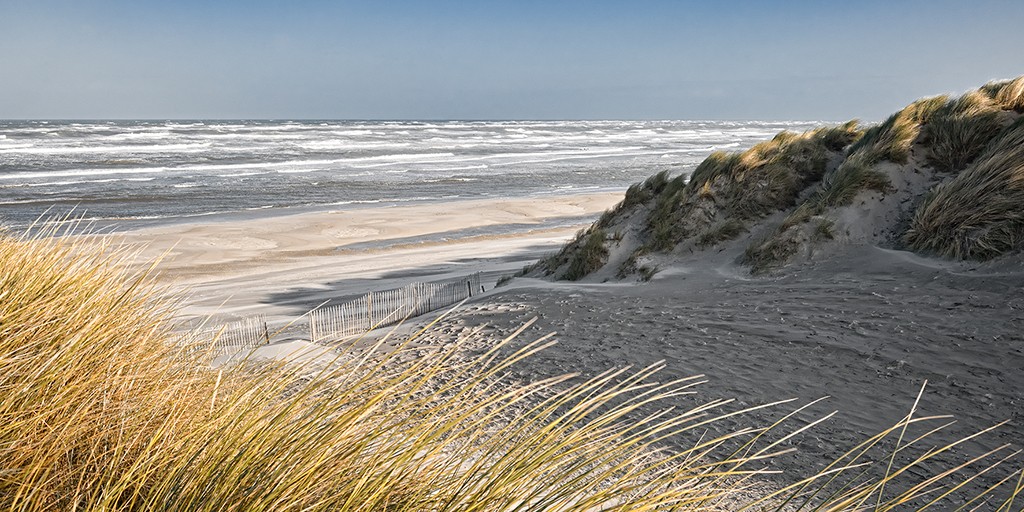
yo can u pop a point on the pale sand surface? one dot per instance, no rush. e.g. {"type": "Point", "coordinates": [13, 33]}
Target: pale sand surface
{"type": "Point", "coordinates": [865, 326]}
{"type": "Point", "coordinates": [283, 266]}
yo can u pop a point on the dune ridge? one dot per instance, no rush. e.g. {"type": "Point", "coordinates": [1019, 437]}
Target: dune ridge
{"type": "Point", "coordinates": [942, 177]}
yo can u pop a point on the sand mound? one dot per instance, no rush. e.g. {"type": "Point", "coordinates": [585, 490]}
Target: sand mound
{"type": "Point", "coordinates": [942, 177]}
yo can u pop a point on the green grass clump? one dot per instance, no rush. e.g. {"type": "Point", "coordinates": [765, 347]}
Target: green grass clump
{"type": "Point", "coordinates": [853, 175]}
{"type": "Point", "coordinates": [589, 256]}
{"type": "Point", "coordinates": [979, 214]}
{"type": "Point", "coordinates": [960, 129]}
{"type": "Point", "coordinates": [825, 230]}
{"type": "Point", "coordinates": [837, 189]}
{"type": "Point", "coordinates": [102, 411]}
{"type": "Point", "coordinates": [719, 163]}
{"type": "Point", "coordinates": [640, 193]}
{"type": "Point", "coordinates": [726, 230]}
{"type": "Point", "coordinates": [770, 251]}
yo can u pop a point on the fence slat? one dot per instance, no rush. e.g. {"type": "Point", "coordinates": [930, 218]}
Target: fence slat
{"type": "Point", "coordinates": [388, 307]}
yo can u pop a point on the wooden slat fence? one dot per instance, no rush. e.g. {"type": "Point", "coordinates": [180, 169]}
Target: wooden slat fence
{"type": "Point", "coordinates": [244, 334]}
{"type": "Point", "coordinates": [388, 307]}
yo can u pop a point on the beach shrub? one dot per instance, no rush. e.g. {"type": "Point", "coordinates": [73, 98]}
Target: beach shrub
{"type": "Point", "coordinates": [979, 214]}
{"type": "Point", "coordinates": [104, 409]}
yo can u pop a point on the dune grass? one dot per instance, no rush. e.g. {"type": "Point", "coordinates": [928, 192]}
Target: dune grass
{"type": "Point", "coordinates": [590, 255]}
{"type": "Point", "coordinates": [726, 230]}
{"type": "Point", "coordinates": [730, 189]}
{"type": "Point", "coordinates": [978, 214]}
{"type": "Point", "coordinates": [891, 140]}
{"type": "Point", "coordinates": [102, 411]}
{"type": "Point", "coordinates": [640, 193]}
{"type": "Point", "coordinates": [823, 169]}
{"type": "Point", "coordinates": [1008, 94]}
{"type": "Point", "coordinates": [959, 130]}
{"type": "Point", "coordinates": [854, 175]}
{"type": "Point", "coordinates": [768, 176]}
{"type": "Point", "coordinates": [724, 193]}
{"type": "Point", "coordinates": [663, 227]}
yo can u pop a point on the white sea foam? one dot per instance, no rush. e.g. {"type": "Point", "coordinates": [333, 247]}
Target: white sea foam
{"type": "Point", "coordinates": [80, 172]}
{"type": "Point", "coordinates": [64, 150]}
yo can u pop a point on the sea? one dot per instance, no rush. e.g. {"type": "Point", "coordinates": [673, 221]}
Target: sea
{"type": "Point", "coordinates": [131, 174]}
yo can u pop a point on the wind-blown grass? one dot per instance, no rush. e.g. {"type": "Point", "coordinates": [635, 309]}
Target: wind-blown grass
{"type": "Point", "coordinates": [960, 129]}
{"type": "Point", "coordinates": [1009, 94]}
{"type": "Point", "coordinates": [102, 411]}
{"type": "Point", "coordinates": [891, 140]}
{"type": "Point", "coordinates": [727, 230]}
{"type": "Point", "coordinates": [733, 188]}
{"type": "Point", "coordinates": [640, 193]}
{"type": "Point", "coordinates": [979, 214]}
{"type": "Point", "coordinates": [841, 187]}
{"type": "Point", "coordinates": [768, 176]}
{"type": "Point", "coordinates": [589, 256]}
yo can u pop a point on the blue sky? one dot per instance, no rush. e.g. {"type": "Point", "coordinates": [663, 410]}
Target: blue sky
{"type": "Point", "coordinates": [497, 60]}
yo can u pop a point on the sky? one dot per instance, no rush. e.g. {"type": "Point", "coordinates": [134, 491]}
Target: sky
{"type": "Point", "coordinates": [480, 59]}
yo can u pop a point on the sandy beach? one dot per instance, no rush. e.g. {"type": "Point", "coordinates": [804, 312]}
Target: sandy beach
{"type": "Point", "coordinates": [865, 328]}
{"type": "Point", "coordinates": [283, 266]}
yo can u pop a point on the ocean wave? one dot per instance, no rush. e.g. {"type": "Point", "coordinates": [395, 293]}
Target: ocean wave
{"type": "Point", "coordinates": [64, 150]}
{"type": "Point", "coordinates": [80, 172]}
